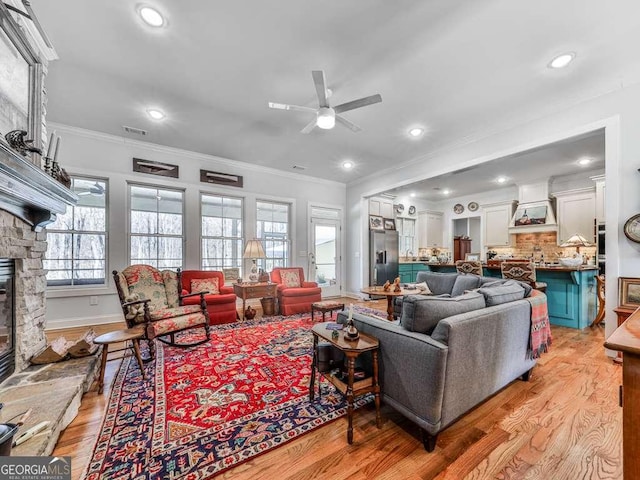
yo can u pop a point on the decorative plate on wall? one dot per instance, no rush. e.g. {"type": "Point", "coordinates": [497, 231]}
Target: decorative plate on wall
{"type": "Point", "coordinates": [632, 228]}
{"type": "Point", "coordinates": [399, 208]}
{"type": "Point", "coordinates": [458, 208]}
{"type": "Point", "coordinates": [473, 206]}
{"type": "Point", "coordinates": [412, 210]}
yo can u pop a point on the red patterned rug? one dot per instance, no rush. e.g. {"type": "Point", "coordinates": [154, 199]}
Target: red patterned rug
{"type": "Point", "coordinates": [208, 408]}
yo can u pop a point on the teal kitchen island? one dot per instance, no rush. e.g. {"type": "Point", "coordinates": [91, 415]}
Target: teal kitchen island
{"type": "Point", "coordinates": [571, 291]}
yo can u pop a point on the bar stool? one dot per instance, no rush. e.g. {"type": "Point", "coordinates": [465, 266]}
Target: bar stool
{"type": "Point", "coordinates": [131, 334]}
{"type": "Point", "coordinates": [600, 291]}
{"type": "Point", "coordinates": [469, 266]}
{"type": "Point", "coordinates": [523, 272]}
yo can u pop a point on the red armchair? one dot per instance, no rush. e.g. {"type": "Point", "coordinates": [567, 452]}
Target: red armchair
{"type": "Point", "coordinates": [220, 306]}
{"type": "Point", "coordinates": [294, 294]}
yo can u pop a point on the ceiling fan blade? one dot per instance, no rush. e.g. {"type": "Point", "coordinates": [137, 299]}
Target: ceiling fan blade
{"type": "Point", "coordinates": [348, 124]}
{"type": "Point", "coordinates": [321, 87]}
{"type": "Point", "coordinates": [310, 126]}
{"type": "Point", "coordinates": [361, 102]}
{"type": "Point", "coordinates": [284, 106]}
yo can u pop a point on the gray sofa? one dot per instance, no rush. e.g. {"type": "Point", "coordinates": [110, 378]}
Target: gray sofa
{"type": "Point", "coordinates": [446, 355]}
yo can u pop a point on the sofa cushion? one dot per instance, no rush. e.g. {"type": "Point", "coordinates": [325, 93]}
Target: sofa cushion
{"type": "Point", "coordinates": [290, 278]}
{"type": "Point", "coordinates": [509, 291]}
{"type": "Point", "coordinates": [421, 313]}
{"type": "Point", "coordinates": [209, 285]}
{"type": "Point", "coordinates": [465, 281]}
{"type": "Point", "coordinates": [493, 282]}
{"type": "Point", "coordinates": [438, 282]}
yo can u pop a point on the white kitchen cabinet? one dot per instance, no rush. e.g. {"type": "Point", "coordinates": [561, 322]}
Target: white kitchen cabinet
{"type": "Point", "coordinates": [381, 206]}
{"type": "Point", "coordinates": [430, 229]}
{"type": "Point", "coordinates": [576, 214]}
{"type": "Point", "coordinates": [495, 219]}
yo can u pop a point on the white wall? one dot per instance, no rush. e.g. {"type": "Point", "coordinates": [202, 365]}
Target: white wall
{"type": "Point", "coordinates": [92, 153]}
{"type": "Point", "coordinates": [617, 112]}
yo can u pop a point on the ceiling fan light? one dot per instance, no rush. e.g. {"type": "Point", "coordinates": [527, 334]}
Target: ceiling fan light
{"type": "Point", "coordinates": [151, 16]}
{"type": "Point", "coordinates": [326, 118]}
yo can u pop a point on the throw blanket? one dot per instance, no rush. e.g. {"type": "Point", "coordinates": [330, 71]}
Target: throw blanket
{"type": "Point", "coordinates": [540, 336]}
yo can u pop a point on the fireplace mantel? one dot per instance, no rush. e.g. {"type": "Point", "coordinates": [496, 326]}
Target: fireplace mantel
{"type": "Point", "coordinates": [28, 192]}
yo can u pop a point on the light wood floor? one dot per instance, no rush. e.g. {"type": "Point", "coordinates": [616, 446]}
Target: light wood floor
{"type": "Point", "coordinates": [565, 423]}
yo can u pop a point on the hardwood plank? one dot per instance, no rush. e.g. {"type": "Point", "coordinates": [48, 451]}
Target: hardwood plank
{"type": "Point", "coordinates": [564, 423]}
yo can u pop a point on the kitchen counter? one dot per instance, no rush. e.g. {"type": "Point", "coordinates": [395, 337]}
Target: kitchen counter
{"type": "Point", "coordinates": [571, 291]}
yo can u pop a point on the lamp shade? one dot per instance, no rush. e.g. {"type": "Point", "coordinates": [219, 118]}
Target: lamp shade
{"type": "Point", "coordinates": [576, 241]}
{"type": "Point", "coordinates": [254, 249]}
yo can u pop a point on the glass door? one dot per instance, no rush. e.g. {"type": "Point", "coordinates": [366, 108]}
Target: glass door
{"type": "Point", "coordinates": [325, 255]}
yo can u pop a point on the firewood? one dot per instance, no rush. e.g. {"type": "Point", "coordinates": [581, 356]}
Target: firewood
{"type": "Point", "coordinates": [84, 345]}
{"type": "Point", "coordinates": [54, 352]}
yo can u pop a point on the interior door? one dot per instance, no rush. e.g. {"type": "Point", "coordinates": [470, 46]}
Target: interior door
{"type": "Point", "coordinates": [325, 255]}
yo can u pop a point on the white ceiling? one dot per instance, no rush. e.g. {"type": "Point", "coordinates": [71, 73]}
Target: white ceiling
{"type": "Point", "coordinates": [545, 163]}
{"type": "Point", "coordinates": [458, 68]}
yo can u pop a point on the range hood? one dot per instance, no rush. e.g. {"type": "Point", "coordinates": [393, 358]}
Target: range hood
{"type": "Point", "coordinates": [535, 212]}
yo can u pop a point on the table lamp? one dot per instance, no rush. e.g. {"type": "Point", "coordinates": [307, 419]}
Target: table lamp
{"type": "Point", "coordinates": [577, 241]}
{"type": "Point", "coordinates": [253, 250]}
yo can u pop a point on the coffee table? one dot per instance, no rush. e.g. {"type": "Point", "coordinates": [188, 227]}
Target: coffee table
{"type": "Point", "coordinates": [351, 349]}
{"type": "Point", "coordinates": [389, 294]}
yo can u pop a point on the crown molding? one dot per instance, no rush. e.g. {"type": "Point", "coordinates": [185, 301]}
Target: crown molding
{"type": "Point", "coordinates": [107, 137]}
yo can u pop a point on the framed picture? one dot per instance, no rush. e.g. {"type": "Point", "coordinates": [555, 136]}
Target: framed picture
{"type": "Point", "coordinates": [389, 224]}
{"type": "Point", "coordinates": [531, 216]}
{"type": "Point", "coordinates": [375, 222]}
{"type": "Point", "coordinates": [473, 257]}
{"type": "Point", "coordinates": [629, 292]}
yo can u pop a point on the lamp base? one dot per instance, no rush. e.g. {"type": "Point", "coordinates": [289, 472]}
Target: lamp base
{"type": "Point", "coordinates": [253, 273]}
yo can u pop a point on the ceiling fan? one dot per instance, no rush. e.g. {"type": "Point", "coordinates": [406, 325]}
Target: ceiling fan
{"type": "Point", "coordinates": [326, 115]}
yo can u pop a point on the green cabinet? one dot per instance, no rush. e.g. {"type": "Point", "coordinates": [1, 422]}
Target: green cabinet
{"type": "Point", "coordinates": [409, 271]}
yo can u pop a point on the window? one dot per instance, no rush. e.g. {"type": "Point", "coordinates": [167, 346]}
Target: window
{"type": "Point", "coordinates": [407, 229]}
{"type": "Point", "coordinates": [77, 241]}
{"type": "Point", "coordinates": [156, 216]}
{"type": "Point", "coordinates": [222, 239]}
{"type": "Point", "coordinates": [273, 230]}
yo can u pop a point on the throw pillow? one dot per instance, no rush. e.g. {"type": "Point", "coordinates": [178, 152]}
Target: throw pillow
{"type": "Point", "coordinates": [205, 285]}
{"type": "Point", "coordinates": [424, 288]}
{"type": "Point", "coordinates": [290, 278]}
{"type": "Point", "coordinates": [463, 283]}
{"type": "Point", "coordinates": [438, 282]}
{"type": "Point", "coordinates": [422, 314]}
{"type": "Point", "coordinates": [509, 291]}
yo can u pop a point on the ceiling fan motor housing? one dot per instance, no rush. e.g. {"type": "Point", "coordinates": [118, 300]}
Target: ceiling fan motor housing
{"type": "Point", "coordinates": [326, 118]}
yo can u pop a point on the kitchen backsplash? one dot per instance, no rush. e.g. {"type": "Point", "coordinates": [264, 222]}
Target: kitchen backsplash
{"type": "Point", "coordinates": [526, 245]}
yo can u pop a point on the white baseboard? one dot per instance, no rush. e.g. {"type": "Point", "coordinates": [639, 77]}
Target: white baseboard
{"type": "Point", "coordinates": [82, 322]}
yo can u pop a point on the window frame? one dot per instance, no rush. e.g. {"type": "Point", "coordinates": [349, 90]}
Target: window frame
{"type": "Point", "coordinates": [243, 238]}
{"type": "Point", "coordinates": [261, 262]}
{"type": "Point", "coordinates": [183, 213]}
{"type": "Point", "coordinates": [58, 290]}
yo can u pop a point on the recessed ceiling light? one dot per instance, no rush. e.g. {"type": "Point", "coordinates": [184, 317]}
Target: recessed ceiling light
{"type": "Point", "coordinates": [416, 132]}
{"type": "Point", "coordinates": [562, 60]}
{"type": "Point", "coordinates": [155, 114]}
{"type": "Point", "coordinates": [446, 191]}
{"type": "Point", "coordinates": [501, 179]}
{"type": "Point", "coordinates": [151, 16]}
{"type": "Point", "coordinates": [583, 162]}
{"type": "Point", "coordinates": [412, 194]}
{"type": "Point", "coordinates": [347, 165]}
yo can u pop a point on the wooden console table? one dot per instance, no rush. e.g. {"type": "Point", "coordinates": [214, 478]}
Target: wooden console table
{"type": "Point", "coordinates": [254, 290]}
{"type": "Point", "coordinates": [626, 339]}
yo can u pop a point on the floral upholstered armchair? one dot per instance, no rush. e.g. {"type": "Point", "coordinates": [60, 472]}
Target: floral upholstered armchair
{"type": "Point", "coordinates": [151, 297]}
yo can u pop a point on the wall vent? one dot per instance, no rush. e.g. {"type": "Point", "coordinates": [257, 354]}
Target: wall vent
{"type": "Point", "coordinates": [135, 131]}
{"type": "Point", "coordinates": [299, 167]}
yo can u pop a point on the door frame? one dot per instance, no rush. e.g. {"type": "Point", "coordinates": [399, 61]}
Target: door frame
{"type": "Point", "coordinates": [340, 267]}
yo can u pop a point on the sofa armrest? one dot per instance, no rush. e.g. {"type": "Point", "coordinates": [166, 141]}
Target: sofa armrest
{"type": "Point", "coordinates": [309, 284]}
{"type": "Point", "coordinates": [225, 289]}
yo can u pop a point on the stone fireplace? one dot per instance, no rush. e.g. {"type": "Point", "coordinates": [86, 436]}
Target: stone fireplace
{"type": "Point", "coordinates": [29, 199]}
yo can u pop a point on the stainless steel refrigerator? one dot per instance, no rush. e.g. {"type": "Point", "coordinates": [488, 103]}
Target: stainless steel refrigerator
{"type": "Point", "coordinates": [383, 256]}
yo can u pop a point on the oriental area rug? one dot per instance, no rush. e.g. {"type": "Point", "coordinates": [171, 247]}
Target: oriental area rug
{"type": "Point", "coordinates": [205, 409]}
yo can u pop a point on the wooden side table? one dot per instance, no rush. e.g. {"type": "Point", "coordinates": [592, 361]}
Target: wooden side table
{"type": "Point", "coordinates": [131, 334]}
{"type": "Point", "coordinates": [352, 388]}
{"type": "Point", "coordinates": [390, 294]}
{"type": "Point", "coordinates": [254, 290]}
